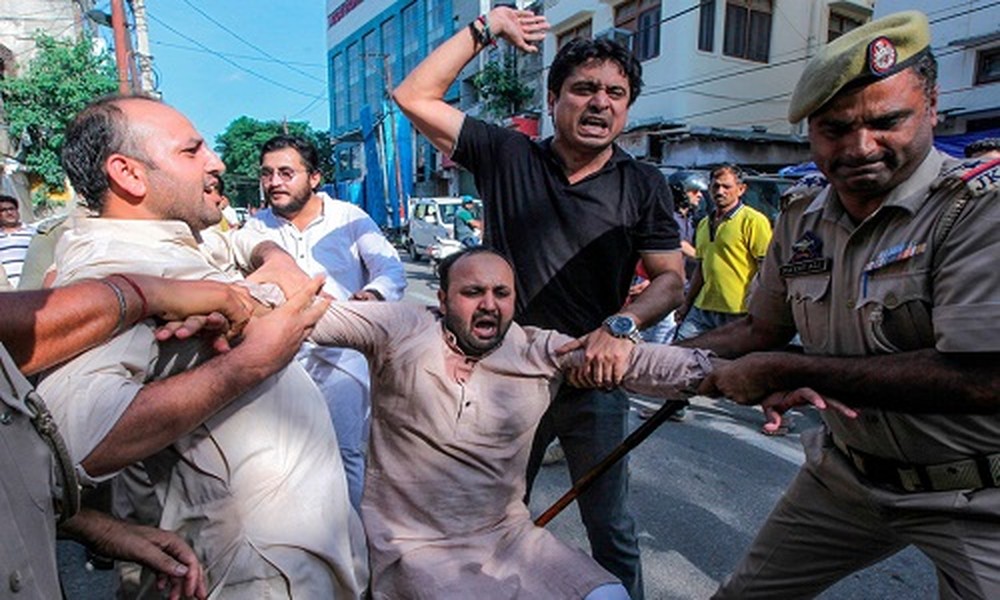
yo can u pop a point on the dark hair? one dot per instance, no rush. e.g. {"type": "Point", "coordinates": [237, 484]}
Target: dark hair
{"type": "Point", "coordinates": [730, 168]}
{"type": "Point", "coordinates": [926, 68]}
{"type": "Point", "coordinates": [305, 148]}
{"type": "Point", "coordinates": [580, 51]}
{"type": "Point", "coordinates": [989, 144]}
{"type": "Point", "coordinates": [9, 200]}
{"type": "Point", "coordinates": [98, 131]}
{"type": "Point", "coordinates": [444, 267]}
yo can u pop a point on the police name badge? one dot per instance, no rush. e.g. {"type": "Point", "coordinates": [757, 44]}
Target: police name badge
{"type": "Point", "coordinates": [807, 257]}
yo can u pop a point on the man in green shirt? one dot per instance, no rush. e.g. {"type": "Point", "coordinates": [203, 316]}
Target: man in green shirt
{"type": "Point", "coordinates": [466, 223]}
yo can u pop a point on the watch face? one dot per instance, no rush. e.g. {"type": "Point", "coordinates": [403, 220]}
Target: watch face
{"type": "Point", "coordinates": [620, 326]}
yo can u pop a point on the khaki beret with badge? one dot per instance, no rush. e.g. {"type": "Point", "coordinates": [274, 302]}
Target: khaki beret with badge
{"type": "Point", "coordinates": [861, 56]}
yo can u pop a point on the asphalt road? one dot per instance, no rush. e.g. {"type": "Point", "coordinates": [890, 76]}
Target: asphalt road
{"type": "Point", "coordinates": [699, 491]}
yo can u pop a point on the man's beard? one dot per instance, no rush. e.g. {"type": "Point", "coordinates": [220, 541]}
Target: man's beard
{"type": "Point", "coordinates": [294, 205]}
{"type": "Point", "coordinates": [467, 341]}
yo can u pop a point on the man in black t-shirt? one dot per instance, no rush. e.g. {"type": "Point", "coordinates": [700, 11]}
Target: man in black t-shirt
{"type": "Point", "coordinates": [574, 214]}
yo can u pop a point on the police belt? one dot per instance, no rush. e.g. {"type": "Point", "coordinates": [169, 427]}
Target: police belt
{"type": "Point", "coordinates": [971, 473]}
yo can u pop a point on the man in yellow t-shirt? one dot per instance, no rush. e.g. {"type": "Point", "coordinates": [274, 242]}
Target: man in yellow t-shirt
{"type": "Point", "coordinates": [729, 244]}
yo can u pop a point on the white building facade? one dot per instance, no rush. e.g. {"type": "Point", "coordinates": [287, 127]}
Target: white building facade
{"type": "Point", "coordinates": [718, 75]}
{"type": "Point", "coordinates": [965, 38]}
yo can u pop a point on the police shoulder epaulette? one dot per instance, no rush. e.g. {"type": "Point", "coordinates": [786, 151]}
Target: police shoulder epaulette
{"type": "Point", "coordinates": [977, 176]}
{"type": "Point", "coordinates": [806, 188]}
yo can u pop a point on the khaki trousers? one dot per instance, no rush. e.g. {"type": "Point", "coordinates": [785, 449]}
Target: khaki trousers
{"type": "Point", "coordinates": [831, 522]}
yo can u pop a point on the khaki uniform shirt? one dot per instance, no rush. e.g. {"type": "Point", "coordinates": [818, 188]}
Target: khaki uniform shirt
{"type": "Point", "coordinates": [27, 521]}
{"type": "Point", "coordinates": [882, 287]}
{"type": "Point", "coordinates": [258, 489]}
{"type": "Point", "coordinates": [443, 502]}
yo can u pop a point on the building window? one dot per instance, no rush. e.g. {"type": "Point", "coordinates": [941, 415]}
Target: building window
{"type": "Point", "coordinates": [339, 76]}
{"type": "Point", "coordinates": [411, 37]}
{"type": "Point", "coordinates": [437, 23]}
{"type": "Point", "coordinates": [373, 71]}
{"type": "Point", "coordinates": [988, 66]}
{"type": "Point", "coordinates": [583, 31]}
{"type": "Point", "coordinates": [390, 46]}
{"type": "Point", "coordinates": [642, 18]}
{"type": "Point", "coordinates": [748, 29]}
{"type": "Point", "coordinates": [706, 26]}
{"type": "Point", "coordinates": [839, 25]}
{"type": "Point", "coordinates": [354, 87]}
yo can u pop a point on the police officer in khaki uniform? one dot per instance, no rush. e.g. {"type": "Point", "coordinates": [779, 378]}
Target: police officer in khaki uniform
{"type": "Point", "coordinates": [889, 274]}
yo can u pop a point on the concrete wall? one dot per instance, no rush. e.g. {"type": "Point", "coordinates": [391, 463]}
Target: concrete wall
{"type": "Point", "coordinates": [21, 19]}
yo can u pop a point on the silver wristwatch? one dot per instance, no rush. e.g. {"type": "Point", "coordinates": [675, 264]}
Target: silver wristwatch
{"type": "Point", "coordinates": [622, 326]}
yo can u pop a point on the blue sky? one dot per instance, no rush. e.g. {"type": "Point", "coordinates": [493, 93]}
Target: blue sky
{"type": "Point", "coordinates": [217, 60]}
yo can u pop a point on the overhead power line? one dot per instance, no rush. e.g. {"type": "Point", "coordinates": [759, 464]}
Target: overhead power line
{"type": "Point", "coordinates": [232, 62]}
{"type": "Point", "coordinates": [250, 44]}
{"type": "Point", "coordinates": [239, 56]}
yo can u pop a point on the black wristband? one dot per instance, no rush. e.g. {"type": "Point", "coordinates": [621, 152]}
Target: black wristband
{"type": "Point", "coordinates": [478, 35]}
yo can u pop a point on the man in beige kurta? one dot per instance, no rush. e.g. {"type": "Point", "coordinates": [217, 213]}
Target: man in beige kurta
{"type": "Point", "coordinates": [253, 479]}
{"type": "Point", "coordinates": [451, 431]}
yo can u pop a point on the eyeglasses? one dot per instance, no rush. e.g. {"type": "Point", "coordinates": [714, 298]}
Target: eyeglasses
{"type": "Point", "coordinates": [286, 174]}
{"type": "Point", "coordinates": [4, 209]}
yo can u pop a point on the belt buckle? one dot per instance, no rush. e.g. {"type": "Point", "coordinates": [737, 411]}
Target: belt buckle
{"type": "Point", "coordinates": [957, 475]}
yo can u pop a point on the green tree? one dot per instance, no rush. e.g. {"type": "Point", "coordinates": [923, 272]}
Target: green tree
{"type": "Point", "coordinates": [57, 83]}
{"type": "Point", "coordinates": [501, 89]}
{"type": "Point", "coordinates": [239, 147]}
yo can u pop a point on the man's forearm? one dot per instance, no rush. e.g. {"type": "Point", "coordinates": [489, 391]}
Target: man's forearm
{"type": "Point", "coordinates": [924, 381]}
{"type": "Point", "coordinates": [421, 94]}
{"type": "Point", "coordinates": [41, 328]}
{"type": "Point", "coordinates": [166, 410]}
{"type": "Point", "coordinates": [697, 282]}
{"type": "Point", "coordinates": [740, 337]}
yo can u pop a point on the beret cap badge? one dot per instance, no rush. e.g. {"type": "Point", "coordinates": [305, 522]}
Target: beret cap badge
{"type": "Point", "coordinates": [881, 56]}
{"type": "Point", "coordinates": [862, 56]}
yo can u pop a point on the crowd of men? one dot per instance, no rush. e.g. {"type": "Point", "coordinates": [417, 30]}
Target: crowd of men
{"type": "Point", "coordinates": [274, 422]}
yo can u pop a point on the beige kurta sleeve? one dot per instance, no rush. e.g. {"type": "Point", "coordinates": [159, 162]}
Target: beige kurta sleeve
{"type": "Point", "coordinates": [366, 326]}
{"type": "Point", "coordinates": [88, 394]}
{"type": "Point", "coordinates": [656, 369]}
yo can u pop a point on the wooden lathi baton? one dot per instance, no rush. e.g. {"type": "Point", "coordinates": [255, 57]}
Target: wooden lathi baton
{"type": "Point", "coordinates": [634, 439]}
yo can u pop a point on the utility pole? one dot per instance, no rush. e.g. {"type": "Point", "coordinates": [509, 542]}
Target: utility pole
{"type": "Point", "coordinates": [146, 82]}
{"type": "Point", "coordinates": [398, 171]}
{"type": "Point", "coordinates": [121, 45]}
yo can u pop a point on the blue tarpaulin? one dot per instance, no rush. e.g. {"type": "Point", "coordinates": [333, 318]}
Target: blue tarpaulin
{"type": "Point", "coordinates": [404, 138]}
{"type": "Point", "coordinates": [374, 198]}
{"type": "Point", "coordinates": [955, 144]}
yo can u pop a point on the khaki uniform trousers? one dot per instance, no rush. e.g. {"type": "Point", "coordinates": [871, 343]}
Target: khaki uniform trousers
{"type": "Point", "coordinates": [831, 522]}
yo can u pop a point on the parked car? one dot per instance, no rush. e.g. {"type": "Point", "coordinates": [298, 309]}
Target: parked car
{"type": "Point", "coordinates": [430, 219]}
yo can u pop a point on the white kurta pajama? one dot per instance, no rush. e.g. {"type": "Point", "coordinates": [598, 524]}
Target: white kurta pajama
{"type": "Point", "coordinates": [258, 489]}
{"type": "Point", "coordinates": [345, 245]}
{"type": "Point", "coordinates": [450, 439]}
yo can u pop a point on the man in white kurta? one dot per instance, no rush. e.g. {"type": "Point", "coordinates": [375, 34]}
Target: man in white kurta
{"type": "Point", "coordinates": [340, 241]}
{"type": "Point", "coordinates": [452, 426]}
{"type": "Point", "coordinates": [257, 487]}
